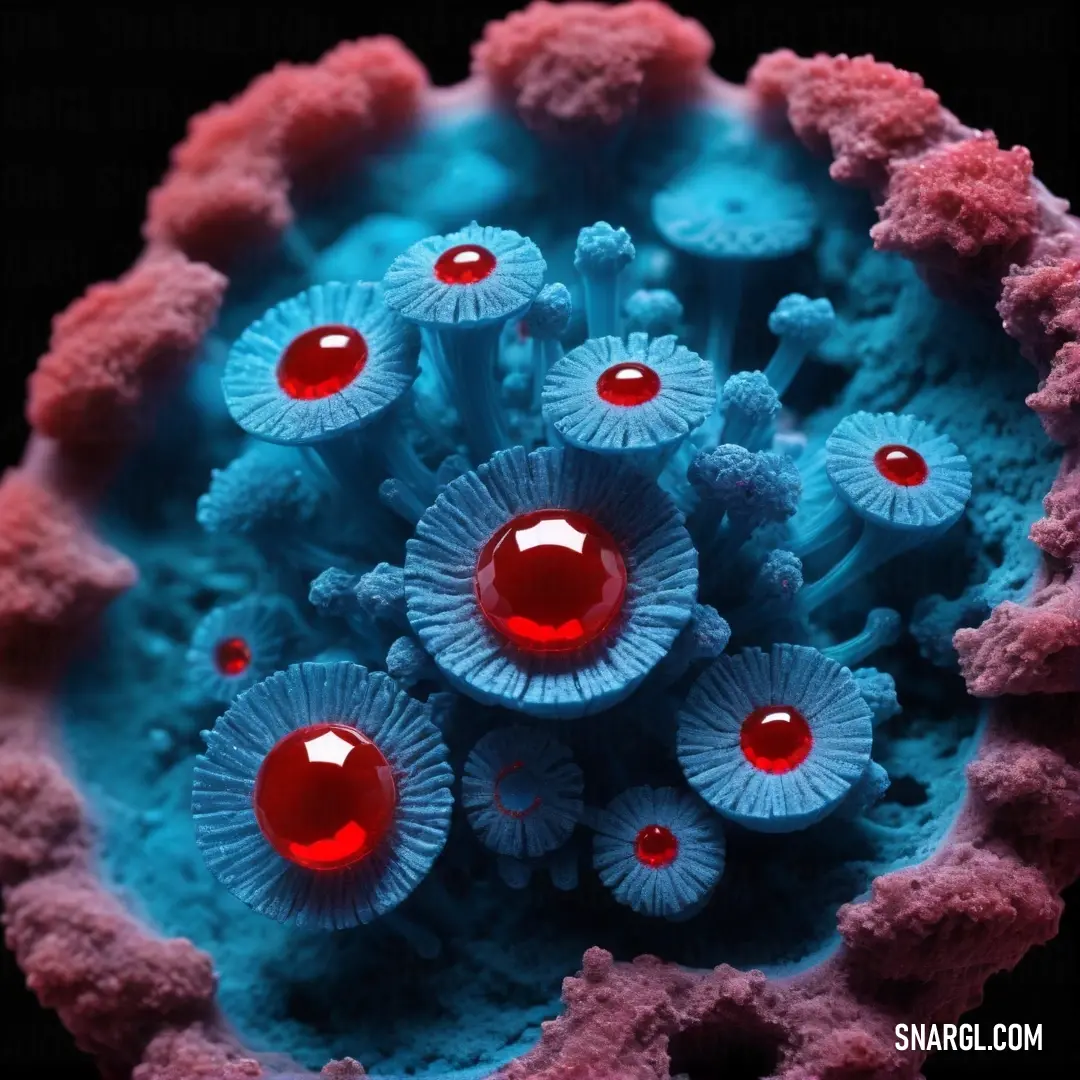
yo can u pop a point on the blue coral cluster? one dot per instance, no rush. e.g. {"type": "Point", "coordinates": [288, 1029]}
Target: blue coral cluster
{"type": "Point", "coordinates": [684, 362]}
{"type": "Point", "coordinates": [721, 546]}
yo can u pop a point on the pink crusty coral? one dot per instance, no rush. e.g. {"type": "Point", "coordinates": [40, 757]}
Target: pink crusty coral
{"type": "Point", "coordinates": [228, 189]}
{"type": "Point", "coordinates": [1040, 306]}
{"type": "Point", "coordinates": [53, 573]}
{"type": "Point", "coordinates": [41, 817]}
{"type": "Point", "coordinates": [111, 981]}
{"type": "Point", "coordinates": [867, 112]}
{"type": "Point", "coordinates": [1058, 534]}
{"type": "Point", "coordinates": [1057, 401]}
{"type": "Point", "coordinates": [587, 66]}
{"type": "Point", "coordinates": [115, 343]}
{"type": "Point", "coordinates": [197, 1052]}
{"type": "Point", "coordinates": [968, 910]}
{"type": "Point", "coordinates": [964, 210]}
{"type": "Point", "coordinates": [1024, 649]}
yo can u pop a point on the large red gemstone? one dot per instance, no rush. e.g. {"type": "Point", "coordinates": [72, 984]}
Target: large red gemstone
{"type": "Point", "coordinates": [901, 465]}
{"type": "Point", "coordinates": [515, 791]}
{"type": "Point", "coordinates": [656, 846]}
{"type": "Point", "coordinates": [232, 656]}
{"type": "Point", "coordinates": [325, 796]}
{"type": "Point", "coordinates": [465, 264]}
{"type": "Point", "coordinates": [551, 580]}
{"type": "Point", "coordinates": [775, 738]}
{"type": "Point", "coordinates": [628, 384]}
{"type": "Point", "coordinates": [321, 361]}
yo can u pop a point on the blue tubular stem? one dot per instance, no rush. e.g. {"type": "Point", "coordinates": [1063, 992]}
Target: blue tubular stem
{"type": "Point", "coordinates": [515, 873]}
{"type": "Point", "coordinates": [752, 432]}
{"type": "Point", "coordinates": [402, 500]}
{"type": "Point", "coordinates": [467, 360]}
{"type": "Point", "coordinates": [601, 304]}
{"type": "Point", "coordinates": [873, 548]}
{"type": "Point", "coordinates": [424, 943]}
{"type": "Point", "coordinates": [876, 634]}
{"type": "Point", "coordinates": [785, 363]}
{"type": "Point", "coordinates": [725, 297]}
{"type": "Point", "coordinates": [546, 353]}
{"type": "Point", "coordinates": [562, 866]}
{"type": "Point", "coordinates": [827, 525]}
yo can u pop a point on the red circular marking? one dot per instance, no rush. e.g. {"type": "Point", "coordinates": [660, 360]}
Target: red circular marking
{"type": "Point", "coordinates": [465, 264]}
{"type": "Point", "coordinates": [628, 384]}
{"type": "Point", "coordinates": [656, 846]}
{"type": "Point", "coordinates": [325, 796]}
{"type": "Point", "coordinates": [901, 465]}
{"type": "Point", "coordinates": [551, 580]}
{"type": "Point", "coordinates": [321, 361]}
{"type": "Point", "coordinates": [514, 795]}
{"type": "Point", "coordinates": [232, 656]}
{"type": "Point", "coordinates": [775, 738]}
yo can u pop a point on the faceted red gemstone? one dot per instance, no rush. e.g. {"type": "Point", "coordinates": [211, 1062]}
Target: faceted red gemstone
{"type": "Point", "coordinates": [551, 580]}
{"type": "Point", "coordinates": [901, 465]}
{"type": "Point", "coordinates": [656, 846]}
{"type": "Point", "coordinates": [325, 796]}
{"type": "Point", "coordinates": [775, 738]}
{"type": "Point", "coordinates": [628, 384]}
{"type": "Point", "coordinates": [515, 791]}
{"type": "Point", "coordinates": [321, 361]}
{"type": "Point", "coordinates": [232, 656]}
{"type": "Point", "coordinates": [465, 264]}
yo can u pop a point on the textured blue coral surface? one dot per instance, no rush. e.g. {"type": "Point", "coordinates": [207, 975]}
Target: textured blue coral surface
{"type": "Point", "coordinates": [133, 715]}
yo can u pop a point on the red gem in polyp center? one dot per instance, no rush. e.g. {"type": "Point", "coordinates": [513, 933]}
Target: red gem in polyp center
{"type": "Point", "coordinates": [232, 656]}
{"type": "Point", "coordinates": [325, 796]}
{"type": "Point", "coordinates": [901, 465]}
{"type": "Point", "coordinates": [465, 264]}
{"type": "Point", "coordinates": [551, 580]}
{"type": "Point", "coordinates": [628, 384]}
{"type": "Point", "coordinates": [775, 738]}
{"type": "Point", "coordinates": [656, 846]}
{"type": "Point", "coordinates": [321, 361]}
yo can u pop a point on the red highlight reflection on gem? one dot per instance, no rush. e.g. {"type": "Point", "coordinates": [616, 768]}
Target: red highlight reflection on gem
{"type": "Point", "coordinates": [551, 580]}
{"type": "Point", "coordinates": [325, 796]}
{"type": "Point", "coordinates": [465, 264]}
{"type": "Point", "coordinates": [232, 656]}
{"type": "Point", "coordinates": [628, 384]}
{"type": "Point", "coordinates": [656, 846]}
{"type": "Point", "coordinates": [321, 361]}
{"type": "Point", "coordinates": [901, 465]}
{"type": "Point", "coordinates": [775, 738]}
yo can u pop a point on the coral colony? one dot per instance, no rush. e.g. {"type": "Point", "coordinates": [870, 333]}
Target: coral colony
{"type": "Point", "coordinates": [572, 536]}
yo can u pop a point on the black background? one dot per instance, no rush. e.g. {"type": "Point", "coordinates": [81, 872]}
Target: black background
{"type": "Point", "coordinates": [94, 99]}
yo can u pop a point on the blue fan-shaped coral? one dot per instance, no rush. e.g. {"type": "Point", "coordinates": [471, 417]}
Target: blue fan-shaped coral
{"type": "Point", "coordinates": [521, 790]}
{"type": "Point", "coordinates": [323, 796]}
{"type": "Point", "coordinates": [774, 740]}
{"type": "Point", "coordinates": [659, 850]}
{"type": "Point", "coordinates": [550, 582]}
{"type": "Point", "coordinates": [640, 396]}
{"type": "Point", "coordinates": [235, 646]}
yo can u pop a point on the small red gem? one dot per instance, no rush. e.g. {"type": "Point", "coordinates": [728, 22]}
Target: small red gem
{"type": "Point", "coordinates": [232, 656]}
{"type": "Point", "coordinates": [321, 361]}
{"type": "Point", "coordinates": [901, 465]}
{"type": "Point", "coordinates": [465, 264]}
{"type": "Point", "coordinates": [775, 738]}
{"type": "Point", "coordinates": [628, 384]}
{"type": "Point", "coordinates": [551, 580]}
{"type": "Point", "coordinates": [656, 846]}
{"type": "Point", "coordinates": [324, 796]}
{"type": "Point", "coordinates": [515, 794]}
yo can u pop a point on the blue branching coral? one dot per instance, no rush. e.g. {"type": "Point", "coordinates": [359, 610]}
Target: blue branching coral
{"type": "Point", "coordinates": [552, 554]}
